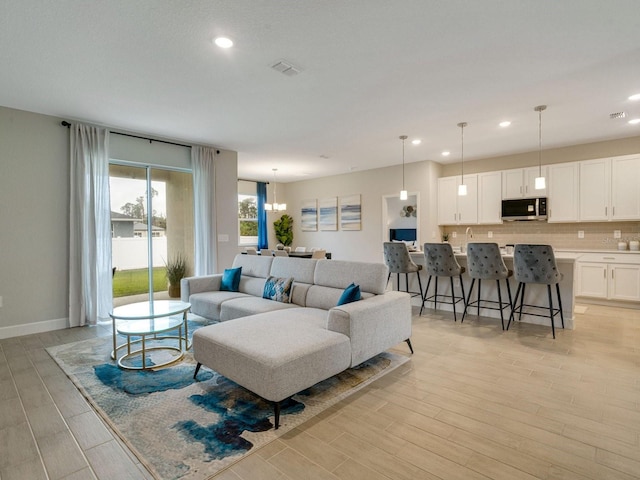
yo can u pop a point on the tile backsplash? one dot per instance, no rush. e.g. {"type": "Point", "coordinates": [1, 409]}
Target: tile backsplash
{"type": "Point", "coordinates": [560, 235]}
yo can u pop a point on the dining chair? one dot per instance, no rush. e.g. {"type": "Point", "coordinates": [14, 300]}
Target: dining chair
{"type": "Point", "coordinates": [251, 251]}
{"type": "Point", "coordinates": [319, 253]}
{"type": "Point", "coordinates": [280, 253]}
{"type": "Point", "coordinates": [300, 249]}
{"type": "Point", "coordinates": [266, 252]}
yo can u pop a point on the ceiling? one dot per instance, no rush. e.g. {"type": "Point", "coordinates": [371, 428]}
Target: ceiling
{"type": "Point", "coordinates": [370, 70]}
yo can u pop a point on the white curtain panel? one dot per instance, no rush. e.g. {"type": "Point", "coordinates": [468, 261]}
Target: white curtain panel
{"type": "Point", "coordinates": [204, 181]}
{"type": "Point", "coordinates": [90, 282]}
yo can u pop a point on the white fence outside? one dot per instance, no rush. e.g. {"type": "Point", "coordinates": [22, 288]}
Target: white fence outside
{"type": "Point", "coordinates": [132, 252]}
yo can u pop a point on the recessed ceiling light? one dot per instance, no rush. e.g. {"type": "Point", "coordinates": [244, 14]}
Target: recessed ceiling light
{"type": "Point", "coordinates": [446, 153]}
{"type": "Point", "coordinates": [223, 42]}
{"type": "Point", "coordinates": [635, 121]}
{"type": "Point", "coordinates": [506, 123]}
{"type": "Point", "coordinates": [417, 141]}
{"type": "Point", "coordinates": [635, 97]}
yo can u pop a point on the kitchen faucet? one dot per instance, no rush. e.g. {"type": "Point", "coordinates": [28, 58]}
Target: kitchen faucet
{"type": "Point", "coordinates": [468, 233]}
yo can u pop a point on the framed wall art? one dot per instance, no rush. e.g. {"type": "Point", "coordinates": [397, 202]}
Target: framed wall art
{"type": "Point", "coordinates": [350, 212]}
{"type": "Point", "coordinates": [309, 215]}
{"type": "Point", "coordinates": [328, 217]}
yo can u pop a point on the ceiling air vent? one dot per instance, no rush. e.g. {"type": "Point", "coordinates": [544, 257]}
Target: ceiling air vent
{"type": "Point", "coordinates": [285, 68]}
{"type": "Point", "coordinates": [613, 116]}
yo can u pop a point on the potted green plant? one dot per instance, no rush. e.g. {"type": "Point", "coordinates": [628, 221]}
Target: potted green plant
{"type": "Point", "coordinates": [445, 237]}
{"type": "Point", "coordinates": [284, 230]}
{"type": "Point", "coordinates": [176, 270]}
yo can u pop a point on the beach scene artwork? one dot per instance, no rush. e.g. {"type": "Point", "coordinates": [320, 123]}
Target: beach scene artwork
{"type": "Point", "coordinates": [328, 213]}
{"type": "Point", "coordinates": [350, 212]}
{"type": "Point", "coordinates": [309, 215]}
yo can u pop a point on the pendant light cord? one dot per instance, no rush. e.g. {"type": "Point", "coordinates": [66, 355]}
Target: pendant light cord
{"type": "Point", "coordinates": [462, 125]}
{"type": "Point", "coordinates": [540, 142]}
{"type": "Point", "coordinates": [403, 164]}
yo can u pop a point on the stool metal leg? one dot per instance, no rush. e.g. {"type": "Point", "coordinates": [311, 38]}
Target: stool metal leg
{"type": "Point", "coordinates": [462, 288]}
{"type": "Point", "coordinates": [514, 305]}
{"type": "Point", "coordinates": [419, 283]}
{"type": "Point", "coordinates": [560, 303]}
{"type": "Point", "coordinates": [524, 285]}
{"type": "Point", "coordinates": [453, 300]}
{"type": "Point", "coordinates": [473, 281]}
{"type": "Point", "coordinates": [553, 328]}
{"type": "Point", "coordinates": [479, 288]}
{"type": "Point", "coordinates": [435, 296]}
{"type": "Point", "coordinates": [500, 304]}
{"type": "Point", "coordinates": [425, 294]}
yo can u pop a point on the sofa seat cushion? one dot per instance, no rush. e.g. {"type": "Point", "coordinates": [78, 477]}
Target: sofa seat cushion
{"type": "Point", "coordinates": [275, 354]}
{"type": "Point", "coordinates": [208, 304]}
{"type": "Point", "coordinates": [249, 305]}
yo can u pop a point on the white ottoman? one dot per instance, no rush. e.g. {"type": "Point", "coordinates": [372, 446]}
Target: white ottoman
{"type": "Point", "coordinates": [275, 354]}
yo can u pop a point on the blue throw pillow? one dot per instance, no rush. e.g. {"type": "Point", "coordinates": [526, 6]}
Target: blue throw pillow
{"type": "Point", "coordinates": [231, 279]}
{"type": "Point", "coordinates": [350, 294]}
{"type": "Point", "coordinates": [278, 289]}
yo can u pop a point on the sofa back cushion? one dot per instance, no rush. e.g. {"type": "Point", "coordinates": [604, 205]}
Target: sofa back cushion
{"type": "Point", "coordinates": [253, 265]}
{"type": "Point", "coordinates": [300, 269]}
{"type": "Point", "coordinates": [326, 298]}
{"type": "Point", "coordinates": [372, 277]}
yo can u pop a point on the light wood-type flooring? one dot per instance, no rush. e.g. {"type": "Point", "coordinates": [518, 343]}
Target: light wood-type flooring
{"type": "Point", "coordinates": [473, 403]}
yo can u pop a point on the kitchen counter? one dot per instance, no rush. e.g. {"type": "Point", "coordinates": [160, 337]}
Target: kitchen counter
{"type": "Point", "coordinates": [535, 294]}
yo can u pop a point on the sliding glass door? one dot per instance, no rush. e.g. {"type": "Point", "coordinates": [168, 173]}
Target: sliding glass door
{"type": "Point", "coordinates": [151, 225]}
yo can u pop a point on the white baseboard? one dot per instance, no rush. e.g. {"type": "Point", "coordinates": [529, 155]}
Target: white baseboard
{"type": "Point", "coordinates": [35, 327]}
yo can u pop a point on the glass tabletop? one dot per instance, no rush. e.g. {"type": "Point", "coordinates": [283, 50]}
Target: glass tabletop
{"type": "Point", "coordinates": [149, 326]}
{"type": "Point", "coordinates": [149, 310]}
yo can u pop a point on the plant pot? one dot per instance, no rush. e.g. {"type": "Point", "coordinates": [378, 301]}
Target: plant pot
{"type": "Point", "coordinates": [174, 291]}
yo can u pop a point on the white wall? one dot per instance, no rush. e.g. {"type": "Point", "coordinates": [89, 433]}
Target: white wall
{"type": "Point", "coordinates": [34, 214]}
{"type": "Point", "coordinates": [372, 185]}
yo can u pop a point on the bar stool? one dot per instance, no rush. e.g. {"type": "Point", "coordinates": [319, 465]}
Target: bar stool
{"type": "Point", "coordinates": [398, 260]}
{"type": "Point", "coordinates": [536, 264]}
{"type": "Point", "coordinates": [441, 262]}
{"type": "Point", "coordinates": [485, 263]}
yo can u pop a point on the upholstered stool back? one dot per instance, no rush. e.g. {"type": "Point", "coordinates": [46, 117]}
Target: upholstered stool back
{"type": "Point", "coordinates": [535, 264]}
{"type": "Point", "coordinates": [484, 261]}
{"type": "Point", "coordinates": [397, 258]}
{"type": "Point", "coordinates": [440, 260]}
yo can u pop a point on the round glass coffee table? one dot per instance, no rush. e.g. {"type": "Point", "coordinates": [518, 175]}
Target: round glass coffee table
{"type": "Point", "coordinates": [151, 318]}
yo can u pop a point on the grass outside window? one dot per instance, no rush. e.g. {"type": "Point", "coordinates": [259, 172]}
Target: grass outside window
{"type": "Point", "coordinates": [134, 282]}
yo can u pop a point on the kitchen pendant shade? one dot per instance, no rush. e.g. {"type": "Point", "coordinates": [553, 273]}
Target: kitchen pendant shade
{"type": "Point", "coordinates": [540, 182]}
{"type": "Point", "coordinates": [403, 192]}
{"type": "Point", "coordinates": [462, 188]}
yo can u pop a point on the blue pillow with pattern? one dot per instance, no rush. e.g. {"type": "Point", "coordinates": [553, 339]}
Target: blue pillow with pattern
{"type": "Point", "coordinates": [278, 289]}
{"type": "Point", "coordinates": [350, 294]}
{"type": "Point", "coordinates": [231, 279]}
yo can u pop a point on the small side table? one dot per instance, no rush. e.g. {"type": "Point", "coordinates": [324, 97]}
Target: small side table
{"type": "Point", "coordinates": [150, 318]}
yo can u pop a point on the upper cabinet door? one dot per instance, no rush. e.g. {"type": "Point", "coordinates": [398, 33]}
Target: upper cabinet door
{"type": "Point", "coordinates": [512, 184]}
{"type": "Point", "coordinates": [490, 198]}
{"type": "Point", "coordinates": [625, 188]}
{"type": "Point", "coordinates": [595, 185]}
{"type": "Point", "coordinates": [562, 183]}
{"type": "Point", "coordinates": [448, 201]}
{"type": "Point", "coordinates": [468, 204]}
{"type": "Point", "coordinates": [529, 181]}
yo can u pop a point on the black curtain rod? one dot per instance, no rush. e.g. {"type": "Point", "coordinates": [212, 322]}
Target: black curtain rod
{"type": "Point", "coordinates": [64, 123]}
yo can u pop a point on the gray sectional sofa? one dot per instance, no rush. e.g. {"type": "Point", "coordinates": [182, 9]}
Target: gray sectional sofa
{"type": "Point", "coordinates": [277, 349]}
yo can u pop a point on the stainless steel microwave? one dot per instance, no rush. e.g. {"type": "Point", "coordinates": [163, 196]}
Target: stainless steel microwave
{"type": "Point", "coordinates": [524, 209]}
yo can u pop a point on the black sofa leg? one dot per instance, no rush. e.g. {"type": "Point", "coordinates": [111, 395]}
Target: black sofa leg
{"type": "Point", "coordinates": [197, 370]}
{"type": "Point", "coordinates": [408, 340]}
{"type": "Point", "coordinates": [276, 411]}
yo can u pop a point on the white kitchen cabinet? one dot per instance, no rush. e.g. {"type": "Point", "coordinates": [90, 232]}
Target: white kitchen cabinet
{"type": "Point", "coordinates": [521, 183]}
{"type": "Point", "coordinates": [490, 198]}
{"type": "Point", "coordinates": [563, 187]}
{"type": "Point", "coordinates": [454, 209]}
{"type": "Point", "coordinates": [611, 277]}
{"type": "Point", "coordinates": [625, 188]}
{"type": "Point", "coordinates": [609, 189]}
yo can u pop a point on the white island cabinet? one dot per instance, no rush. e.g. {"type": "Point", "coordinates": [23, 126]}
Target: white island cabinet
{"type": "Point", "coordinates": [609, 276]}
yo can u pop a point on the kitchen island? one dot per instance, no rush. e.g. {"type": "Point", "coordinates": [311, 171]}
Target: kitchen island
{"type": "Point", "coordinates": [535, 294]}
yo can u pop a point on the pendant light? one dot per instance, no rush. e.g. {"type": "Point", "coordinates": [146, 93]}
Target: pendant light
{"type": "Point", "coordinates": [540, 180]}
{"type": "Point", "coordinates": [403, 192]}
{"type": "Point", "coordinates": [275, 206]}
{"type": "Point", "coordinates": [462, 188]}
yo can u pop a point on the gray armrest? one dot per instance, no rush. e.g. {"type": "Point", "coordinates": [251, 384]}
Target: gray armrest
{"type": "Point", "coordinates": [373, 324]}
{"type": "Point", "coordinates": [191, 285]}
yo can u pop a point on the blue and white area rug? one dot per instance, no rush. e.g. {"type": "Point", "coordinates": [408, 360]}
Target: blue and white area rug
{"type": "Point", "coordinates": [185, 429]}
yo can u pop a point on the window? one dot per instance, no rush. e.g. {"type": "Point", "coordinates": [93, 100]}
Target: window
{"type": "Point", "coordinates": [247, 213]}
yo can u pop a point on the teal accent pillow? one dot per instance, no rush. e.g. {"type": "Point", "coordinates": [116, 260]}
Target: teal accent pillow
{"type": "Point", "coordinates": [231, 279]}
{"type": "Point", "coordinates": [350, 294]}
{"type": "Point", "coordinates": [278, 289]}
